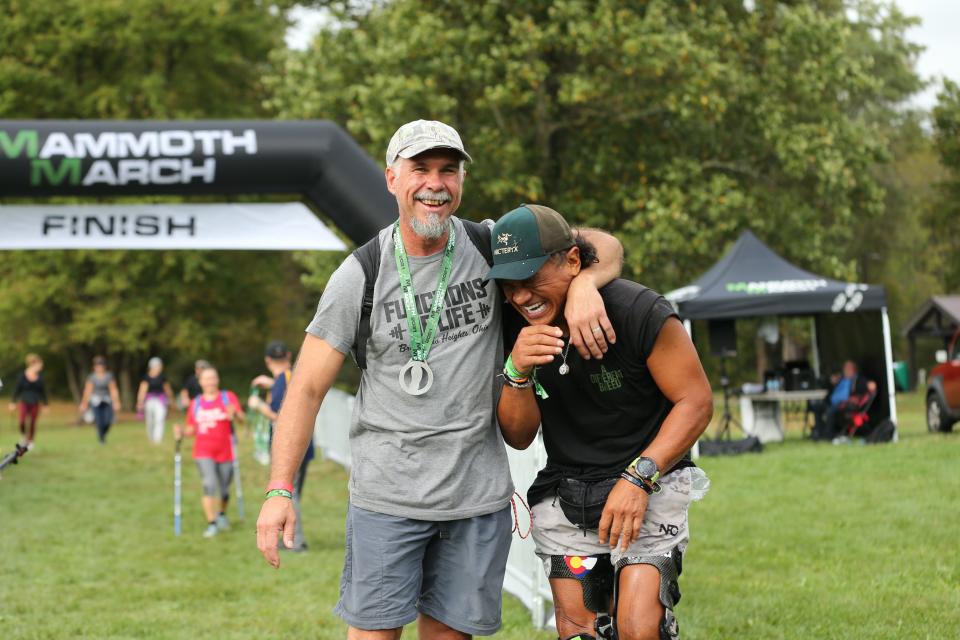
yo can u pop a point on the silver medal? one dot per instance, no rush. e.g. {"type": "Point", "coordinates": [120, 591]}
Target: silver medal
{"type": "Point", "coordinates": [564, 369]}
{"type": "Point", "coordinates": [413, 380]}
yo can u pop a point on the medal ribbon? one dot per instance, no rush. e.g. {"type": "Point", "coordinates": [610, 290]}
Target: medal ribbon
{"type": "Point", "coordinates": [422, 341]}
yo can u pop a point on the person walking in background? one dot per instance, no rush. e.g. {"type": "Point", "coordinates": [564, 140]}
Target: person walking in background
{"type": "Point", "coordinates": [100, 394]}
{"type": "Point", "coordinates": [191, 385]}
{"type": "Point", "coordinates": [210, 417]}
{"type": "Point", "coordinates": [28, 393]}
{"type": "Point", "coordinates": [153, 398]}
{"type": "Point", "coordinates": [277, 360]}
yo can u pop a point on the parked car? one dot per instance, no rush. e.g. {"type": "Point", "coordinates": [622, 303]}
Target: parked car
{"type": "Point", "coordinates": [943, 388]}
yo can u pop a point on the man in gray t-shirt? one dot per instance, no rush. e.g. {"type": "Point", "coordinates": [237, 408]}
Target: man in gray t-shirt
{"type": "Point", "coordinates": [440, 453]}
{"type": "Point", "coordinates": [428, 525]}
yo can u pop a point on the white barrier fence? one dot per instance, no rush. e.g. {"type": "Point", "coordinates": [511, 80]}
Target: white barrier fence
{"type": "Point", "coordinates": [525, 578]}
{"type": "Point", "coordinates": [331, 432]}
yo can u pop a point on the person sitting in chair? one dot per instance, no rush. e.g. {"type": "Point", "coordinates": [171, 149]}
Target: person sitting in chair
{"type": "Point", "coordinates": [831, 412]}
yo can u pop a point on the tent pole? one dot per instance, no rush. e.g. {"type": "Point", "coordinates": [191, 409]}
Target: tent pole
{"type": "Point", "coordinates": [912, 380]}
{"type": "Point", "coordinates": [695, 450]}
{"type": "Point", "coordinates": [888, 357]}
{"type": "Point", "coordinates": [815, 355]}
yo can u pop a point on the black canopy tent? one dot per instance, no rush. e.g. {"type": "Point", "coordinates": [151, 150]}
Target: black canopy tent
{"type": "Point", "coordinates": [751, 280]}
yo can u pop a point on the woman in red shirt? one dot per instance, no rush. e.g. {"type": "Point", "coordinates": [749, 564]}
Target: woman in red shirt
{"type": "Point", "coordinates": [210, 417]}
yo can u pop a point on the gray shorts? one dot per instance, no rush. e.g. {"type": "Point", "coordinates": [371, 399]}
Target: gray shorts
{"type": "Point", "coordinates": [664, 524]}
{"type": "Point", "coordinates": [451, 571]}
{"type": "Point", "coordinates": [216, 477]}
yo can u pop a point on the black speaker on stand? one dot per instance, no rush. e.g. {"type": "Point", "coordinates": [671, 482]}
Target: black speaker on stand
{"type": "Point", "coordinates": [723, 344]}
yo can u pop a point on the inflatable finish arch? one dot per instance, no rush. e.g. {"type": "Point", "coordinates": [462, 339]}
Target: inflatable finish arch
{"type": "Point", "coordinates": [314, 159]}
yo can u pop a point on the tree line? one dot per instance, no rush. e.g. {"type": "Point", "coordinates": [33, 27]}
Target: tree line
{"type": "Point", "coordinates": [675, 125]}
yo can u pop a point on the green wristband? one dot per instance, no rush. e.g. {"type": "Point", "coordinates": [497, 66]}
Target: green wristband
{"type": "Point", "coordinates": [511, 369]}
{"type": "Point", "coordinates": [279, 492]}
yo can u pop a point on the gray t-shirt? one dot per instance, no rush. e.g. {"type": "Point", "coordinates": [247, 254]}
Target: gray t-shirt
{"type": "Point", "coordinates": [101, 388]}
{"type": "Point", "coordinates": [438, 456]}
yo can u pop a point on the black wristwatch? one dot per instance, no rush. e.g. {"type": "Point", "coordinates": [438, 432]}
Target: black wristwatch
{"type": "Point", "coordinates": [645, 470]}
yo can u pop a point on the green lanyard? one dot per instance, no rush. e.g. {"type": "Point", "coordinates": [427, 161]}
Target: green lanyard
{"type": "Point", "coordinates": [422, 341]}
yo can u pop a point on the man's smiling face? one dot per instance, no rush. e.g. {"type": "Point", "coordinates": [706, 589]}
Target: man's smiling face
{"type": "Point", "coordinates": [427, 188]}
{"type": "Point", "coordinates": [540, 299]}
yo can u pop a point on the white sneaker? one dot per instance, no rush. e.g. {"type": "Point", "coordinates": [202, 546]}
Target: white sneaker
{"type": "Point", "coordinates": [210, 531]}
{"type": "Point", "coordinates": [222, 523]}
{"type": "Point", "coordinates": [30, 446]}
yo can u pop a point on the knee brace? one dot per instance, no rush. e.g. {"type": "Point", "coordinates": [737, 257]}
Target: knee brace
{"type": "Point", "coordinates": [670, 565]}
{"type": "Point", "coordinates": [595, 574]}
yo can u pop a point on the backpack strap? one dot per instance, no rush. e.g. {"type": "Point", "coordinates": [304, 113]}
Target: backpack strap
{"type": "Point", "coordinates": [480, 236]}
{"type": "Point", "coordinates": [368, 256]}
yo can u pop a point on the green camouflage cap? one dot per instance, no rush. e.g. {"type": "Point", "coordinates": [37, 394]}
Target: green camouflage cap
{"type": "Point", "coordinates": [524, 239]}
{"type": "Point", "coordinates": [418, 136]}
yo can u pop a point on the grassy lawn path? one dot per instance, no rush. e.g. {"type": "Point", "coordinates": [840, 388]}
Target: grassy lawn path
{"type": "Point", "coordinates": [803, 541]}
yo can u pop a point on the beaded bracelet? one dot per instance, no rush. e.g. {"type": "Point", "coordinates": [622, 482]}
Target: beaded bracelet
{"type": "Point", "coordinates": [517, 380]}
{"type": "Point", "coordinates": [525, 383]}
{"type": "Point", "coordinates": [279, 492]}
{"type": "Point", "coordinates": [637, 482]}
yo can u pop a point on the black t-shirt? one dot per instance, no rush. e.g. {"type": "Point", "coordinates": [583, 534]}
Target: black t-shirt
{"type": "Point", "coordinates": [30, 392]}
{"type": "Point", "coordinates": [192, 385]}
{"type": "Point", "coordinates": [603, 413]}
{"type": "Point", "coordinates": [155, 383]}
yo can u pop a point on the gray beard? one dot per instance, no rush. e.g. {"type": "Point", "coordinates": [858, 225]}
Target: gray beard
{"type": "Point", "coordinates": [432, 229]}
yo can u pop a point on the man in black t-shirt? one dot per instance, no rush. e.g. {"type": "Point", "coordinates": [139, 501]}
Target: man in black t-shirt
{"type": "Point", "coordinates": [191, 385]}
{"type": "Point", "coordinates": [610, 507]}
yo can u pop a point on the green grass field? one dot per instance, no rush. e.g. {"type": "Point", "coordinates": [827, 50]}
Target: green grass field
{"type": "Point", "coordinates": [802, 541]}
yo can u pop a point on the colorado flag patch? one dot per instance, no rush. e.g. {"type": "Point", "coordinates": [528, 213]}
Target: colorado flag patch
{"type": "Point", "coordinates": [580, 565]}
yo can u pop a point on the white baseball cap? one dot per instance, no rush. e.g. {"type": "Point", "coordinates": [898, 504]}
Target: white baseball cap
{"type": "Point", "coordinates": [418, 136]}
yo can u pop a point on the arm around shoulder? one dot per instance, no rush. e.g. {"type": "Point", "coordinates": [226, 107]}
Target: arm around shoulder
{"type": "Point", "coordinates": [609, 257]}
{"type": "Point", "coordinates": [590, 328]}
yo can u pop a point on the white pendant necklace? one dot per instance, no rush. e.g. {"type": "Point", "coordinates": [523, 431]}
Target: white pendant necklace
{"type": "Point", "coordinates": [565, 368]}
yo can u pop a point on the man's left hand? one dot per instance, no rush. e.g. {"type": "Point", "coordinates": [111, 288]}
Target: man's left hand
{"type": "Point", "coordinates": [586, 315]}
{"type": "Point", "coordinates": [623, 515]}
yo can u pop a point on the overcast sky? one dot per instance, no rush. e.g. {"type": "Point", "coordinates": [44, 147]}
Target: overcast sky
{"type": "Point", "coordinates": [939, 33]}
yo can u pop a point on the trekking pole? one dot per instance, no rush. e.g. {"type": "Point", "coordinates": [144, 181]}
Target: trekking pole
{"type": "Point", "coordinates": [236, 471]}
{"type": "Point", "coordinates": [11, 458]}
{"type": "Point", "coordinates": [177, 491]}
